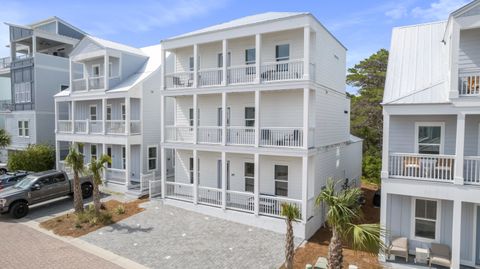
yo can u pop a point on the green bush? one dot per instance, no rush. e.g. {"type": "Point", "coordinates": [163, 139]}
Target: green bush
{"type": "Point", "coordinates": [120, 210]}
{"type": "Point", "coordinates": [91, 217]}
{"type": "Point", "coordinates": [371, 168]}
{"type": "Point", "coordinates": [35, 158]}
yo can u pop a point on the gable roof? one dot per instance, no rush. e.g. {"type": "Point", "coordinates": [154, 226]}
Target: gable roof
{"type": "Point", "coordinates": [114, 45]}
{"type": "Point", "coordinates": [417, 65]}
{"type": "Point", "coordinates": [462, 10]}
{"type": "Point", "coordinates": [248, 20]}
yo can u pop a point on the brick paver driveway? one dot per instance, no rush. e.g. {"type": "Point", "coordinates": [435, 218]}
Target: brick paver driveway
{"type": "Point", "coordinates": [24, 247]}
{"type": "Point", "coordinates": [168, 237]}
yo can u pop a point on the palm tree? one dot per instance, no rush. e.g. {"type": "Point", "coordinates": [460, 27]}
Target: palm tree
{"type": "Point", "coordinates": [74, 160]}
{"type": "Point", "coordinates": [96, 169]}
{"type": "Point", "coordinates": [344, 212]}
{"type": "Point", "coordinates": [291, 213]}
{"type": "Point", "coordinates": [5, 138]}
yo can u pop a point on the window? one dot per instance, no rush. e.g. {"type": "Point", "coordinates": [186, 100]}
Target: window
{"type": "Point", "coordinates": [109, 153]}
{"type": "Point", "coordinates": [191, 63]}
{"type": "Point", "coordinates": [23, 92]}
{"type": "Point", "coordinates": [80, 148]}
{"type": "Point", "coordinates": [59, 178]}
{"type": "Point", "coordinates": [152, 158]}
{"type": "Point", "coordinates": [23, 130]}
{"type": "Point", "coordinates": [282, 53]}
{"type": "Point", "coordinates": [93, 113]}
{"type": "Point", "coordinates": [110, 69]}
{"type": "Point", "coordinates": [249, 174]}
{"type": "Point", "coordinates": [249, 116]}
{"type": "Point", "coordinates": [250, 60]}
{"type": "Point", "coordinates": [190, 116]}
{"type": "Point", "coordinates": [63, 87]}
{"type": "Point", "coordinates": [124, 112]}
{"type": "Point", "coordinates": [109, 112]}
{"type": "Point", "coordinates": [191, 170]}
{"type": "Point", "coordinates": [95, 70]}
{"type": "Point", "coordinates": [220, 59]}
{"type": "Point", "coordinates": [93, 152]}
{"type": "Point", "coordinates": [281, 180]}
{"type": "Point", "coordinates": [426, 214]}
{"type": "Point", "coordinates": [220, 116]}
{"type": "Point", "coordinates": [124, 158]}
{"type": "Point", "coordinates": [429, 138]}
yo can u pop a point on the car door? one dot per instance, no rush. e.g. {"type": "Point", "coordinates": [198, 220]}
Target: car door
{"type": "Point", "coordinates": [41, 194]}
{"type": "Point", "coordinates": [60, 185]}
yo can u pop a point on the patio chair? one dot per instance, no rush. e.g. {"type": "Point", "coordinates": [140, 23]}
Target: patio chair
{"type": "Point", "coordinates": [411, 166]}
{"type": "Point", "coordinates": [440, 255]}
{"type": "Point", "coordinates": [444, 169]}
{"type": "Point", "coordinates": [399, 247]}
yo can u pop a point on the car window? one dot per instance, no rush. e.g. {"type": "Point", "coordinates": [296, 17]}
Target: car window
{"type": "Point", "coordinates": [46, 181]}
{"type": "Point", "coordinates": [59, 178]}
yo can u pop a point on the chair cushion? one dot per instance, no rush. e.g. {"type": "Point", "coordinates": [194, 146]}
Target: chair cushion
{"type": "Point", "coordinates": [401, 242]}
{"type": "Point", "coordinates": [439, 250]}
{"type": "Point", "coordinates": [440, 261]}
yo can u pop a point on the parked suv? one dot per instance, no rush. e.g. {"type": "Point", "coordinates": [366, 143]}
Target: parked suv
{"type": "Point", "coordinates": [11, 178]}
{"type": "Point", "coordinates": [37, 188]}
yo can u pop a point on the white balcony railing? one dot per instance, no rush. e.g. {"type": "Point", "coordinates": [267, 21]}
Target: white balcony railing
{"type": "Point", "coordinates": [116, 175]}
{"type": "Point", "coordinates": [79, 84]}
{"type": "Point", "coordinates": [241, 74]}
{"type": "Point", "coordinates": [239, 135]}
{"type": "Point", "coordinates": [469, 83]}
{"type": "Point", "coordinates": [115, 126]}
{"type": "Point", "coordinates": [81, 126]}
{"type": "Point", "coordinates": [64, 126]}
{"type": "Point", "coordinates": [209, 134]}
{"type": "Point", "coordinates": [95, 126]}
{"type": "Point", "coordinates": [209, 196]}
{"type": "Point", "coordinates": [282, 70]}
{"type": "Point", "coordinates": [281, 137]}
{"type": "Point", "coordinates": [5, 62]}
{"type": "Point", "coordinates": [179, 191]}
{"type": "Point", "coordinates": [179, 80]}
{"type": "Point", "coordinates": [471, 170]}
{"type": "Point", "coordinates": [272, 205]}
{"type": "Point", "coordinates": [135, 127]}
{"type": "Point", "coordinates": [243, 201]}
{"type": "Point", "coordinates": [179, 134]}
{"type": "Point", "coordinates": [422, 166]}
{"type": "Point", "coordinates": [210, 77]}
{"type": "Point", "coordinates": [96, 83]}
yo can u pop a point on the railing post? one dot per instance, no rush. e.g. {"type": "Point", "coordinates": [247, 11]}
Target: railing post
{"type": "Point", "coordinates": [224, 180]}
{"type": "Point", "coordinates": [87, 126]}
{"type": "Point", "coordinates": [195, 65]}
{"type": "Point", "coordinates": [385, 151]}
{"type": "Point", "coordinates": [224, 118]}
{"type": "Point", "coordinates": [195, 119]}
{"type": "Point", "coordinates": [306, 52]}
{"type": "Point", "coordinates": [258, 58]}
{"type": "Point", "coordinates": [256, 184]}
{"type": "Point", "coordinates": [257, 118]}
{"type": "Point", "coordinates": [459, 149]}
{"type": "Point", "coordinates": [104, 116]}
{"type": "Point", "coordinates": [195, 177]}
{"type": "Point", "coordinates": [163, 170]}
{"type": "Point", "coordinates": [306, 103]}
{"type": "Point", "coordinates": [224, 61]}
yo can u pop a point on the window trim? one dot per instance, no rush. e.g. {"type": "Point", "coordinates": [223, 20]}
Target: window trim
{"type": "Point", "coordinates": [280, 59]}
{"type": "Point", "coordinates": [96, 152]}
{"type": "Point", "coordinates": [438, 221]}
{"type": "Point", "coordinates": [431, 124]}
{"type": "Point", "coordinates": [123, 116]}
{"type": "Point", "coordinates": [275, 180]}
{"type": "Point", "coordinates": [23, 129]}
{"type": "Point", "coordinates": [245, 177]}
{"type": "Point", "coordinates": [110, 72]}
{"type": "Point", "coordinates": [108, 107]}
{"type": "Point", "coordinates": [90, 112]}
{"type": "Point", "coordinates": [124, 157]}
{"type": "Point", "coordinates": [93, 68]}
{"type": "Point", "coordinates": [246, 53]}
{"type": "Point", "coordinates": [149, 158]}
{"type": "Point", "coordinates": [249, 119]}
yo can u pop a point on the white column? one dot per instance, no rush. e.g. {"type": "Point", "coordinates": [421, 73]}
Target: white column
{"type": "Point", "coordinates": [195, 177]}
{"type": "Point", "coordinates": [456, 233]}
{"type": "Point", "coordinates": [162, 119]}
{"type": "Point", "coordinates": [256, 183]}
{"type": "Point", "coordinates": [258, 58]}
{"type": "Point", "coordinates": [34, 45]}
{"type": "Point", "coordinates": [104, 151]}
{"type": "Point", "coordinates": [86, 77]}
{"type": "Point", "coordinates": [459, 149]}
{"type": "Point", "coordinates": [257, 117]}
{"type": "Point", "coordinates": [163, 170]}
{"type": "Point", "coordinates": [383, 222]}
{"type": "Point", "coordinates": [306, 102]}
{"type": "Point", "coordinates": [454, 48]}
{"type": "Point", "coordinates": [127, 164]}
{"type": "Point", "coordinates": [306, 52]}
{"type": "Point", "coordinates": [224, 61]}
{"type": "Point", "coordinates": [57, 154]}
{"type": "Point", "coordinates": [304, 188]}
{"type": "Point", "coordinates": [195, 65]}
{"type": "Point", "coordinates": [73, 117]}
{"type": "Point", "coordinates": [386, 150]}
{"type": "Point", "coordinates": [163, 69]}
{"type": "Point", "coordinates": [127, 115]}
{"type": "Point", "coordinates": [70, 74]}
{"type": "Point", "coordinates": [56, 116]}
{"type": "Point", "coordinates": [224, 118]}
{"type": "Point", "coordinates": [106, 70]}
{"type": "Point", "coordinates": [195, 118]}
{"type": "Point", "coordinates": [104, 115]}
{"type": "Point", "coordinates": [224, 180]}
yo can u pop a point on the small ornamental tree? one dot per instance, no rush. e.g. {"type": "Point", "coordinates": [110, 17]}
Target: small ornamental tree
{"type": "Point", "coordinates": [35, 158]}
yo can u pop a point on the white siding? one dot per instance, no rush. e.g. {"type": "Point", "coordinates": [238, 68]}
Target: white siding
{"type": "Point", "coordinates": [331, 120]}
{"type": "Point", "coordinates": [11, 123]}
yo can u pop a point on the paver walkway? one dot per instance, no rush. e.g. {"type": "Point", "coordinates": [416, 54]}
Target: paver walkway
{"type": "Point", "coordinates": [168, 237]}
{"type": "Point", "coordinates": [24, 247]}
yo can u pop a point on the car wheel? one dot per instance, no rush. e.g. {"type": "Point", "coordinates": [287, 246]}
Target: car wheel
{"type": "Point", "coordinates": [19, 210]}
{"type": "Point", "coordinates": [87, 190]}
{"type": "Point", "coordinates": [3, 171]}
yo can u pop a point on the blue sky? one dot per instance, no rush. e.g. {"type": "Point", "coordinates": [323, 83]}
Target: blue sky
{"type": "Point", "coordinates": [362, 26]}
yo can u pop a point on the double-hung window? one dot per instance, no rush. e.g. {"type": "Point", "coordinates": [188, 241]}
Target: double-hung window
{"type": "Point", "coordinates": [250, 60]}
{"type": "Point", "coordinates": [93, 113]}
{"type": "Point", "coordinates": [191, 116]}
{"type": "Point", "coordinates": [93, 152]}
{"type": "Point", "coordinates": [282, 53]}
{"type": "Point", "coordinates": [425, 219]}
{"type": "Point", "coordinates": [249, 175]}
{"type": "Point", "coordinates": [124, 157]}
{"type": "Point", "coordinates": [124, 112]}
{"type": "Point", "coordinates": [281, 180]}
{"type": "Point", "coordinates": [191, 64]}
{"type": "Point", "coordinates": [429, 138]}
{"type": "Point", "coordinates": [152, 158]}
{"type": "Point", "coordinates": [109, 112]}
{"type": "Point", "coordinates": [249, 116]}
{"type": "Point", "coordinates": [191, 170]}
{"type": "Point", "coordinates": [23, 129]}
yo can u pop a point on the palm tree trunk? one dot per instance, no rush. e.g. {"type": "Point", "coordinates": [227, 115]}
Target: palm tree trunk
{"type": "Point", "coordinates": [335, 252]}
{"type": "Point", "coordinates": [289, 246]}
{"type": "Point", "coordinates": [77, 194]}
{"type": "Point", "coordinates": [96, 198]}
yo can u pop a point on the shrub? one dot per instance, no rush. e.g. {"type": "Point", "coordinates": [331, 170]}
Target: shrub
{"type": "Point", "coordinates": [89, 216]}
{"type": "Point", "coordinates": [35, 158]}
{"type": "Point", "coordinates": [120, 210]}
{"type": "Point", "coordinates": [371, 168]}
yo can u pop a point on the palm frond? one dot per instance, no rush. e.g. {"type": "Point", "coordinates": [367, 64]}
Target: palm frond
{"type": "Point", "coordinates": [290, 212]}
{"type": "Point", "coordinates": [366, 237]}
{"type": "Point", "coordinates": [74, 160]}
{"type": "Point", "coordinates": [96, 168]}
{"type": "Point", "coordinates": [5, 138]}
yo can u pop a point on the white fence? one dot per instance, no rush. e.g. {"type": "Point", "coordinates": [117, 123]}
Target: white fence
{"type": "Point", "coordinates": [241, 74]}
{"type": "Point", "coordinates": [209, 134]}
{"type": "Point", "coordinates": [179, 191]}
{"type": "Point", "coordinates": [155, 188]}
{"type": "Point", "coordinates": [282, 70]}
{"type": "Point", "coordinates": [209, 196]}
{"type": "Point", "coordinates": [471, 170]}
{"type": "Point", "coordinates": [81, 126]}
{"type": "Point", "coordinates": [116, 175]}
{"type": "Point", "coordinates": [96, 83]}
{"type": "Point", "coordinates": [115, 126]}
{"type": "Point", "coordinates": [243, 201]}
{"type": "Point", "coordinates": [281, 137]}
{"type": "Point", "coordinates": [179, 134]}
{"type": "Point", "coordinates": [135, 127]}
{"type": "Point", "coordinates": [240, 135]}
{"type": "Point", "coordinates": [79, 84]}
{"type": "Point", "coordinates": [422, 166]}
{"type": "Point", "coordinates": [95, 126]}
{"type": "Point", "coordinates": [272, 205]}
{"type": "Point", "coordinates": [210, 77]}
{"type": "Point", "coordinates": [64, 126]}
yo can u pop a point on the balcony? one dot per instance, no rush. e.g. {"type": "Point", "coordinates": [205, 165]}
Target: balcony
{"type": "Point", "coordinates": [94, 83]}
{"type": "Point", "coordinates": [5, 62]}
{"type": "Point", "coordinates": [469, 83]}
{"type": "Point", "coordinates": [438, 168]}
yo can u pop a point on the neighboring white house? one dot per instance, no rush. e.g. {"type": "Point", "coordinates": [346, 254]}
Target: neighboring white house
{"type": "Point", "coordinates": [113, 107]}
{"type": "Point", "coordinates": [265, 125]}
{"type": "Point", "coordinates": [431, 144]}
{"type": "Point", "coordinates": [37, 69]}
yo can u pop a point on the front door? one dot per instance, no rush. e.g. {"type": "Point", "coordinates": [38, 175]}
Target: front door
{"type": "Point", "coordinates": [219, 174]}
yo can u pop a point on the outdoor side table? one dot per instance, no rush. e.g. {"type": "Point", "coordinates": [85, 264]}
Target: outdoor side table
{"type": "Point", "coordinates": [421, 255]}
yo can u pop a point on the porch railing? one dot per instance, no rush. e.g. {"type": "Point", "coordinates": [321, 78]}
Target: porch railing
{"type": "Point", "coordinates": [241, 74]}
{"type": "Point", "coordinates": [145, 180]}
{"type": "Point", "coordinates": [210, 77]}
{"type": "Point", "coordinates": [95, 126]}
{"type": "Point", "coordinates": [281, 137]}
{"type": "Point", "coordinates": [5, 62]}
{"type": "Point", "coordinates": [209, 134]}
{"type": "Point", "coordinates": [239, 135]}
{"type": "Point", "coordinates": [282, 70]}
{"type": "Point", "coordinates": [79, 84]}
{"type": "Point", "coordinates": [116, 175]}
{"type": "Point", "coordinates": [179, 191]}
{"type": "Point", "coordinates": [96, 83]}
{"type": "Point", "coordinates": [179, 134]}
{"type": "Point", "coordinates": [209, 196]}
{"type": "Point", "coordinates": [64, 126]}
{"type": "Point", "coordinates": [81, 126]}
{"type": "Point", "coordinates": [272, 205]}
{"type": "Point", "coordinates": [422, 166]}
{"type": "Point", "coordinates": [155, 188]}
{"type": "Point", "coordinates": [469, 83]}
{"type": "Point", "coordinates": [471, 170]}
{"type": "Point", "coordinates": [179, 80]}
{"type": "Point", "coordinates": [115, 126]}
{"type": "Point", "coordinates": [242, 201]}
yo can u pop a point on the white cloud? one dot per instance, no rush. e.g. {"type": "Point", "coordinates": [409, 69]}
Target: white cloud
{"type": "Point", "coordinates": [438, 10]}
{"type": "Point", "coordinates": [397, 12]}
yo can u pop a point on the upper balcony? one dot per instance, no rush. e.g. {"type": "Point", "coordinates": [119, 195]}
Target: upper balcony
{"type": "Point", "coordinates": [91, 73]}
{"type": "Point", "coordinates": [261, 58]}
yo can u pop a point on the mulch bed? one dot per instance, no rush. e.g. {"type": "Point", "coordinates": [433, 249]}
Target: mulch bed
{"type": "Point", "coordinates": [317, 245]}
{"type": "Point", "coordinates": [65, 225]}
